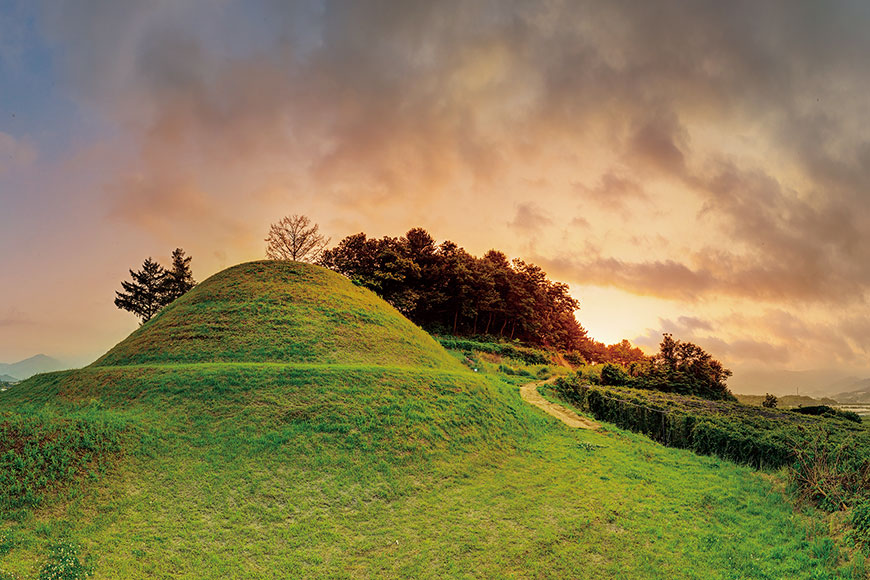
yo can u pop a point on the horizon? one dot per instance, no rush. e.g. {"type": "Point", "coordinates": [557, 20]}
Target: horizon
{"type": "Point", "coordinates": [695, 169]}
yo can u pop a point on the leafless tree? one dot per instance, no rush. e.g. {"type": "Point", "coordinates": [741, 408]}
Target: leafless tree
{"type": "Point", "coordinates": [294, 238]}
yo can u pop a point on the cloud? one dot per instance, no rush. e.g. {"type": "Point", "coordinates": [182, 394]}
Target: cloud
{"type": "Point", "coordinates": [721, 147]}
{"type": "Point", "coordinates": [530, 218]}
{"type": "Point", "coordinates": [15, 153]}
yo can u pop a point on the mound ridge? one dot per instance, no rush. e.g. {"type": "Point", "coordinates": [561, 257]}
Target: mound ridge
{"type": "Point", "coordinates": [279, 312]}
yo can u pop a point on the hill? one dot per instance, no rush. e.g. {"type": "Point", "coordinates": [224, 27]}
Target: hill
{"type": "Point", "coordinates": [856, 392]}
{"type": "Point", "coordinates": [28, 367]}
{"type": "Point", "coordinates": [7, 379]}
{"type": "Point", "coordinates": [279, 312]}
{"type": "Point", "coordinates": [278, 421]}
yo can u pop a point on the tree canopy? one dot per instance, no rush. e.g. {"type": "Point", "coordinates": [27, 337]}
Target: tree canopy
{"type": "Point", "coordinates": [684, 368]}
{"type": "Point", "coordinates": [441, 287]}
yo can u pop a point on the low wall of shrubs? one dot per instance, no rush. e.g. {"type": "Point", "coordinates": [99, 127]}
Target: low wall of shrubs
{"type": "Point", "coordinates": [829, 457]}
{"type": "Point", "coordinates": [527, 355]}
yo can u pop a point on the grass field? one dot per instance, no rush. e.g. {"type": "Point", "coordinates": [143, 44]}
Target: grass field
{"type": "Point", "coordinates": [340, 465]}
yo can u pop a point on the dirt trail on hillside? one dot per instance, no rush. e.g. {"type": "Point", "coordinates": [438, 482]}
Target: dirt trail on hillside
{"type": "Point", "coordinates": [529, 393]}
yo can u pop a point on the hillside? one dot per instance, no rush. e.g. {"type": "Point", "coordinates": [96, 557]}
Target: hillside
{"type": "Point", "coordinates": [279, 312]}
{"type": "Point", "coordinates": [278, 421]}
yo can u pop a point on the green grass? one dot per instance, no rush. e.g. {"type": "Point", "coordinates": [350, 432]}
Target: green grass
{"type": "Point", "coordinates": [284, 312]}
{"type": "Point", "coordinates": [328, 496]}
{"type": "Point", "coordinates": [382, 468]}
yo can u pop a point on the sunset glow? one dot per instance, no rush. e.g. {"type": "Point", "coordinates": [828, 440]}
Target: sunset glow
{"type": "Point", "coordinates": [698, 168]}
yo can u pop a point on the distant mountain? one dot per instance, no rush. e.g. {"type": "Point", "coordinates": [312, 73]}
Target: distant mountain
{"type": "Point", "coordinates": [31, 366]}
{"type": "Point", "coordinates": [817, 383]}
{"type": "Point", "coordinates": [858, 391]}
{"type": "Point", "coordinates": [7, 379]}
{"type": "Point", "coordinates": [786, 401]}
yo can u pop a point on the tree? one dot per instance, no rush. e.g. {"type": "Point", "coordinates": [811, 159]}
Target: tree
{"type": "Point", "coordinates": [144, 296]}
{"type": "Point", "coordinates": [179, 278]}
{"type": "Point", "coordinates": [153, 287]}
{"type": "Point", "coordinates": [770, 401]}
{"type": "Point", "coordinates": [294, 238]}
{"type": "Point", "coordinates": [685, 368]}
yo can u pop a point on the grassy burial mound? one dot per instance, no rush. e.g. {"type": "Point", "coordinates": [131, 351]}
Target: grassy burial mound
{"type": "Point", "coordinates": [269, 391]}
{"type": "Point", "coordinates": [269, 351]}
{"type": "Point", "coordinates": [279, 312]}
{"type": "Point", "coordinates": [280, 422]}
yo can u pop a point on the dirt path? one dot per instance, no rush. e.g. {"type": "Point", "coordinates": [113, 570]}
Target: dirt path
{"type": "Point", "coordinates": [529, 393]}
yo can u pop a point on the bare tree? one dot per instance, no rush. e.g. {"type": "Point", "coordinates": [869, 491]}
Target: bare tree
{"type": "Point", "coordinates": [294, 238]}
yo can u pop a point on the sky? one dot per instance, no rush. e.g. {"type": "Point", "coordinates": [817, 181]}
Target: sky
{"type": "Point", "coordinates": [693, 167]}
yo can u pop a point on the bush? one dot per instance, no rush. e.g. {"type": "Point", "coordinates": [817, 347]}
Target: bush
{"type": "Point", "coordinates": [614, 375]}
{"type": "Point", "coordinates": [770, 401]}
{"type": "Point", "coordinates": [826, 411]}
{"type": "Point", "coordinates": [860, 520]}
{"type": "Point", "coordinates": [764, 438]}
{"type": "Point", "coordinates": [527, 355]}
{"type": "Point", "coordinates": [829, 473]}
{"type": "Point", "coordinates": [514, 372]}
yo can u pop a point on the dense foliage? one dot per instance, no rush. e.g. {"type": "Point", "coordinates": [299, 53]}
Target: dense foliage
{"type": "Point", "coordinates": [829, 456]}
{"type": "Point", "coordinates": [527, 355]}
{"type": "Point", "coordinates": [443, 287]}
{"type": "Point", "coordinates": [678, 367]}
{"type": "Point", "coordinates": [827, 411]}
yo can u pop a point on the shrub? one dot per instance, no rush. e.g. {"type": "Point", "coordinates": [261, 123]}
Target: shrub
{"type": "Point", "coordinates": [828, 472]}
{"type": "Point", "coordinates": [770, 401]}
{"type": "Point", "coordinates": [750, 435]}
{"type": "Point", "coordinates": [860, 520]}
{"type": "Point", "coordinates": [527, 355]}
{"type": "Point", "coordinates": [614, 375]}
{"type": "Point", "coordinates": [826, 411]}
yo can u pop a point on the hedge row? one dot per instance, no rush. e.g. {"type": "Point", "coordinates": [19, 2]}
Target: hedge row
{"type": "Point", "coordinates": [762, 438]}
{"type": "Point", "coordinates": [527, 355]}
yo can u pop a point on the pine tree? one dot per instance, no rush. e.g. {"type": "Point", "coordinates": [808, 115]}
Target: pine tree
{"type": "Point", "coordinates": [144, 295]}
{"type": "Point", "coordinates": [179, 278]}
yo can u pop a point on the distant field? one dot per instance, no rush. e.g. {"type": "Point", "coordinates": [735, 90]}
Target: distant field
{"type": "Point", "coordinates": [863, 410]}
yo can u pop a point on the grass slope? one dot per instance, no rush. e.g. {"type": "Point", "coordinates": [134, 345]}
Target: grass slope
{"type": "Point", "coordinates": [247, 455]}
{"type": "Point", "coordinates": [281, 312]}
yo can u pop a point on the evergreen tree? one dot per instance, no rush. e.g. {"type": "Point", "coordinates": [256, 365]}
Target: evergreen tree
{"type": "Point", "coordinates": [144, 295]}
{"type": "Point", "coordinates": [179, 278]}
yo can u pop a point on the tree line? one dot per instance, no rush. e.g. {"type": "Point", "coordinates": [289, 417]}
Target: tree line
{"type": "Point", "coordinates": [440, 287]}
{"type": "Point", "coordinates": [443, 288]}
